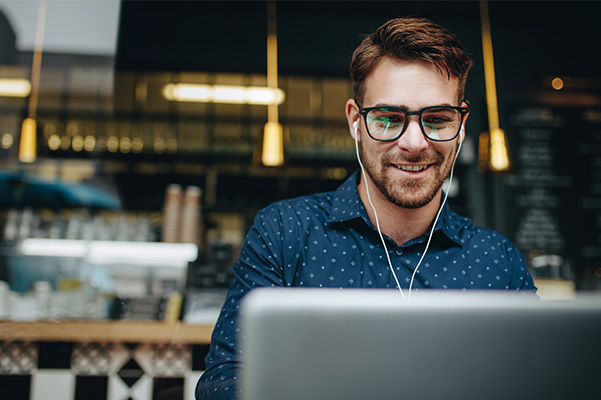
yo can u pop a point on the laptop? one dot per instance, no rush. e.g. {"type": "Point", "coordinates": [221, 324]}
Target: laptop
{"type": "Point", "coordinates": [314, 344]}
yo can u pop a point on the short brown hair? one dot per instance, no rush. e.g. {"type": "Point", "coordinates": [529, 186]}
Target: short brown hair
{"type": "Point", "coordinates": [413, 39]}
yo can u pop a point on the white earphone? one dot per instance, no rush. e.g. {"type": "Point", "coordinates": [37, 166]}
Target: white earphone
{"type": "Point", "coordinates": [355, 126]}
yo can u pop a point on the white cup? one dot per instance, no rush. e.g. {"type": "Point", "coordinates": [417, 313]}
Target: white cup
{"type": "Point", "coordinates": [5, 301]}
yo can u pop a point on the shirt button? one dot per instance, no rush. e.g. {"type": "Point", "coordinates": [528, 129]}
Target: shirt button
{"type": "Point", "coordinates": [398, 252]}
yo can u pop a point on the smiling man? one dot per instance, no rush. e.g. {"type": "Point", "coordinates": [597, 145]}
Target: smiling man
{"type": "Point", "coordinates": [387, 226]}
{"type": "Point", "coordinates": [407, 154]}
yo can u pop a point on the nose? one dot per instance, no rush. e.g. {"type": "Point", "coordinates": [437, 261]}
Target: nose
{"type": "Point", "coordinates": [413, 139]}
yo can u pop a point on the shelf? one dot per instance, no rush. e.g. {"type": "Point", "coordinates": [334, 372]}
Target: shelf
{"type": "Point", "coordinates": [175, 255]}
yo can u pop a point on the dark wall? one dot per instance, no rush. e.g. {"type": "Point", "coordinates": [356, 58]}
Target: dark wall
{"type": "Point", "coordinates": [8, 40]}
{"type": "Point", "coordinates": [532, 40]}
{"type": "Point", "coordinates": [314, 38]}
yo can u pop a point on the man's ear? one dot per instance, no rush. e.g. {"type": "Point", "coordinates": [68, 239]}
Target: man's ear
{"type": "Point", "coordinates": [462, 132]}
{"type": "Point", "coordinates": [353, 117]}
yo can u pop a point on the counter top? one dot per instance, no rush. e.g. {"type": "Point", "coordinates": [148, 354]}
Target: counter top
{"type": "Point", "coordinates": [106, 331]}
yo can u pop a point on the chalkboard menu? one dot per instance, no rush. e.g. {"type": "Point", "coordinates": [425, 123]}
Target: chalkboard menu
{"type": "Point", "coordinates": [551, 200]}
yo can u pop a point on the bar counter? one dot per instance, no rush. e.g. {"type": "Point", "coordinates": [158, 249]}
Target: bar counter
{"type": "Point", "coordinates": [105, 331]}
{"type": "Point", "coordinates": [102, 359]}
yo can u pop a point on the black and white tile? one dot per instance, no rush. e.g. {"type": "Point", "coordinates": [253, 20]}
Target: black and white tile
{"type": "Point", "coordinates": [99, 371]}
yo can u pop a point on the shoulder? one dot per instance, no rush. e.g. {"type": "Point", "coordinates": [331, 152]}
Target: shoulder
{"type": "Point", "coordinates": [479, 239]}
{"type": "Point", "coordinates": [493, 253]}
{"type": "Point", "coordinates": [339, 204]}
{"type": "Point", "coordinates": [312, 206]}
{"type": "Point", "coordinates": [289, 222]}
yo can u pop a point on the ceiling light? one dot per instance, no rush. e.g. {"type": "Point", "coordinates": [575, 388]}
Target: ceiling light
{"type": "Point", "coordinates": [28, 145]}
{"type": "Point", "coordinates": [557, 83]}
{"type": "Point", "coordinates": [272, 154]}
{"type": "Point", "coordinates": [499, 153]}
{"type": "Point", "coordinates": [188, 92]}
{"type": "Point", "coordinates": [15, 87]}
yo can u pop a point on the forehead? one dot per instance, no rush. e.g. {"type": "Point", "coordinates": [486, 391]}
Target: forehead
{"type": "Point", "coordinates": [409, 84]}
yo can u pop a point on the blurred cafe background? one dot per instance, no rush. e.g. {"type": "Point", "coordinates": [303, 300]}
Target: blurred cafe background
{"type": "Point", "coordinates": [139, 138]}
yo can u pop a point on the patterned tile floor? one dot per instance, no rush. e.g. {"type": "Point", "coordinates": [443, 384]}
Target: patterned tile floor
{"type": "Point", "coordinates": [99, 371]}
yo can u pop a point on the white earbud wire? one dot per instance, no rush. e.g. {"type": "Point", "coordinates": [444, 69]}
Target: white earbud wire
{"type": "Point", "coordinates": [437, 215]}
{"type": "Point", "coordinates": [375, 213]}
{"type": "Point", "coordinates": [378, 222]}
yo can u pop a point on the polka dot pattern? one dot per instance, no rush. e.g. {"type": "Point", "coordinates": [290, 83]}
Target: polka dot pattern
{"type": "Point", "coordinates": [327, 240]}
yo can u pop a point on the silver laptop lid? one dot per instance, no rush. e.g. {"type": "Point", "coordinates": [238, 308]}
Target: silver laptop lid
{"type": "Point", "coordinates": [371, 344]}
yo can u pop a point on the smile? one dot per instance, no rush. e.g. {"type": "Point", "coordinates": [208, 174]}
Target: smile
{"type": "Point", "coordinates": [412, 168]}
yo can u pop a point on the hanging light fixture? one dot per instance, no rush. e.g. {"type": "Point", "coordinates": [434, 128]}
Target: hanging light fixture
{"type": "Point", "coordinates": [272, 154]}
{"type": "Point", "coordinates": [225, 94]}
{"type": "Point", "coordinates": [27, 145]}
{"type": "Point", "coordinates": [15, 87]}
{"type": "Point", "coordinates": [498, 153]}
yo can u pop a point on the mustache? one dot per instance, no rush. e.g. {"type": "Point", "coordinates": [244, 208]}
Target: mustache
{"type": "Point", "coordinates": [435, 158]}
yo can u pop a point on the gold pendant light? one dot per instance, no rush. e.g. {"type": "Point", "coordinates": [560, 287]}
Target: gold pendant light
{"type": "Point", "coordinates": [27, 145]}
{"type": "Point", "coordinates": [494, 156]}
{"type": "Point", "coordinates": [272, 154]}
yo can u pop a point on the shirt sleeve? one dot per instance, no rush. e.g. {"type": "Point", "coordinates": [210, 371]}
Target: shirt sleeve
{"type": "Point", "coordinates": [259, 264]}
{"type": "Point", "coordinates": [521, 279]}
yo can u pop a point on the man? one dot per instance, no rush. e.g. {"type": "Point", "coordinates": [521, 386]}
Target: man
{"type": "Point", "coordinates": [407, 118]}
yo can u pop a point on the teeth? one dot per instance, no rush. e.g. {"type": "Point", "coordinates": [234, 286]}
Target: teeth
{"type": "Point", "coordinates": [412, 168]}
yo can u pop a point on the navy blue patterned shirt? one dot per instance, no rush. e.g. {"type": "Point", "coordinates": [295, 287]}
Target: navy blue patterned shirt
{"type": "Point", "coordinates": [327, 240]}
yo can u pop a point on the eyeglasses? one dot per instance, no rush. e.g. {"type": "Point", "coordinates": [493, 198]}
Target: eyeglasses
{"type": "Point", "coordinates": [438, 123]}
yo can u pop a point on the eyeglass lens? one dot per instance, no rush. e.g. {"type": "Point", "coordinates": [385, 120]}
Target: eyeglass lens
{"type": "Point", "coordinates": [438, 123]}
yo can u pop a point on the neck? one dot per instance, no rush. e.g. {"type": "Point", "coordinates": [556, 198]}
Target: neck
{"type": "Point", "coordinates": [398, 223]}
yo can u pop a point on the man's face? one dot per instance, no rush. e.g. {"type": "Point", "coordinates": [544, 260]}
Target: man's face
{"type": "Point", "coordinates": [409, 171]}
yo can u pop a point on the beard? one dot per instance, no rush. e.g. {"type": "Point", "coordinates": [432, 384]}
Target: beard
{"type": "Point", "coordinates": [408, 193]}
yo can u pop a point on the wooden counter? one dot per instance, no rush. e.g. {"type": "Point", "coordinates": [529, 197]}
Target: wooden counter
{"type": "Point", "coordinates": [105, 331]}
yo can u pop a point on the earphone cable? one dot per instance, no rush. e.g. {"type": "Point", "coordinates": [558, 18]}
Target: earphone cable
{"type": "Point", "coordinates": [376, 217]}
{"type": "Point", "coordinates": [435, 220]}
{"type": "Point", "coordinates": [378, 222]}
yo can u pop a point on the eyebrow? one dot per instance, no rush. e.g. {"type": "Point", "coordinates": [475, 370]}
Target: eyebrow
{"type": "Point", "coordinates": [407, 108]}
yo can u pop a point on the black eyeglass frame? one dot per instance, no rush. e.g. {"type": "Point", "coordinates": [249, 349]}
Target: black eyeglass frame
{"type": "Point", "coordinates": [462, 110]}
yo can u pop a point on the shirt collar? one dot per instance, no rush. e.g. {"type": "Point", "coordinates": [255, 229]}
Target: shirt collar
{"type": "Point", "coordinates": [451, 224]}
{"type": "Point", "coordinates": [347, 206]}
